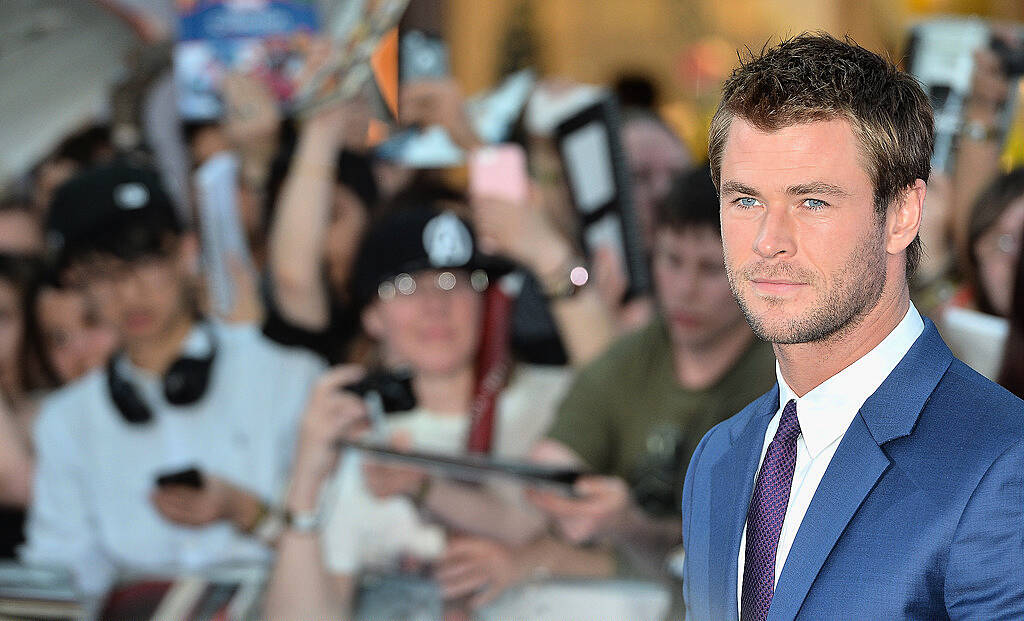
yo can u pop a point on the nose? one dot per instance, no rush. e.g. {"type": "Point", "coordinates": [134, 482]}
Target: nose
{"type": "Point", "coordinates": [689, 277]}
{"type": "Point", "coordinates": [128, 287]}
{"type": "Point", "coordinates": [774, 236]}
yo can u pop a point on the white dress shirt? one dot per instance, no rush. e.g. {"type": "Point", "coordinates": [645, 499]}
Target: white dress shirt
{"type": "Point", "coordinates": [91, 510]}
{"type": "Point", "coordinates": [825, 413]}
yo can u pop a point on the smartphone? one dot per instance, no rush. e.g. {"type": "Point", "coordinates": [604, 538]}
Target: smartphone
{"type": "Point", "coordinates": [422, 56]}
{"type": "Point", "coordinates": [190, 477]}
{"type": "Point", "coordinates": [393, 387]}
{"type": "Point", "coordinates": [499, 171]}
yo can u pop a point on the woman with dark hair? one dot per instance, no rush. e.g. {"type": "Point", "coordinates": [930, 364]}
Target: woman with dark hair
{"type": "Point", "coordinates": [974, 322]}
{"type": "Point", "coordinates": [1011, 376]}
{"type": "Point", "coordinates": [994, 235]}
{"type": "Point", "coordinates": [66, 331]}
{"type": "Point", "coordinates": [19, 379]}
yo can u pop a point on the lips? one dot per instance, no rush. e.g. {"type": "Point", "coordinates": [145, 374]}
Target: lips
{"type": "Point", "coordinates": [686, 320]}
{"type": "Point", "coordinates": [137, 320]}
{"type": "Point", "coordinates": [776, 287]}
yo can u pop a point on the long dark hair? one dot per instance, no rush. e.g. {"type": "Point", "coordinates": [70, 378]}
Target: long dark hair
{"type": "Point", "coordinates": [1011, 376]}
{"type": "Point", "coordinates": [20, 272]}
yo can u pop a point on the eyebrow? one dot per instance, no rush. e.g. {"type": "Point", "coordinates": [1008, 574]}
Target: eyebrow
{"type": "Point", "coordinates": [735, 187]}
{"type": "Point", "coordinates": [813, 187]}
{"type": "Point", "coordinates": [817, 187]}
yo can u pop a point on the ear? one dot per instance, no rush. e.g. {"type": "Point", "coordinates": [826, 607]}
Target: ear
{"type": "Point", "coordinates": [904, 219]}
{"type": "Point", "coordinates": [373, 322]}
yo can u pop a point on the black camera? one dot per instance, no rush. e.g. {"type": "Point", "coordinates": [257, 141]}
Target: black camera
{"type": "Point", "coordinates": [394, 388]}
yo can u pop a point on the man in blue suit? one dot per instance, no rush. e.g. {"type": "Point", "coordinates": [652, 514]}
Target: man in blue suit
{"type": "Point", "coordinates": [881, 478]}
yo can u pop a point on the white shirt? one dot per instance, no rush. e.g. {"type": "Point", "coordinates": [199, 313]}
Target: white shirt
{"type": "Point", "coordinates": [363, 531]}
{"type": "Point", "coordinates": [91, 510]}
{"type": "Point", "coordinates": [825, 413]}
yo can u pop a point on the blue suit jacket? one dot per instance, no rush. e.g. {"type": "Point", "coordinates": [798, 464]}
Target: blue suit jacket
{"type": "Point", "coordinates": [920, 514]}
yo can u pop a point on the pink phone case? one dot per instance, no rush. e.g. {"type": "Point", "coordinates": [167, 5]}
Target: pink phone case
{"type": "Point", "coordinates": [498, 171]}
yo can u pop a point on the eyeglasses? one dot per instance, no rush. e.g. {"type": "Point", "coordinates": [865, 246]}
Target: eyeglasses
{"type": "Point", "coordinates": [446, 282]}
{"type": "Point", "coordinates": [1005, 244]}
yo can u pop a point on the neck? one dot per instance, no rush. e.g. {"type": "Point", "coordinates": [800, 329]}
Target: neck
{"type": "Point", "coordinates": [806, 365]}
{"type": "Point", "coordinates": [445, 393]}
{"type": "Point", "coordinates": [155, 355]}
{"type": "Point", "coordinates": [700, 367]}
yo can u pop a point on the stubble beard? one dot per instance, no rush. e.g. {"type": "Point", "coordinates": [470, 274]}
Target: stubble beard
{"type": "Point", "coordinates": [856, 290]}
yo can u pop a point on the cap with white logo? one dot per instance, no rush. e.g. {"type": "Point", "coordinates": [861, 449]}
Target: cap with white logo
{"type": "Point", "coordinates": [416, 238]}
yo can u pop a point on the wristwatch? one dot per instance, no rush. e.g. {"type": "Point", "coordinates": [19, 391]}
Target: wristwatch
{"type": "Point", "coordinates": [567, 280]}
{"type": "Point", "coordinates": [273, 521]}
{"type": "Point", "coordinates": [304, 522]}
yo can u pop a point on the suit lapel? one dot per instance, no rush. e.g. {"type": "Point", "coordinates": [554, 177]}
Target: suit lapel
{"type": "Point", "coordinates": [858, 463]}
{"type": "Point", "coordinates": [732, 482]}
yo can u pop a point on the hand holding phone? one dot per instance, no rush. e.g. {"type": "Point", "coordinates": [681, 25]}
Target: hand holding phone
{"type": "Point", "coordinates": [509, 221]}
{"type": "Point", "coordinates": [189, 477]}
{"type": "Point", "coordinates": [499, 172]}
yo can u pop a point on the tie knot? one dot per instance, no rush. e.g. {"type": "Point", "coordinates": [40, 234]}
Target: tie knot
{"type": "Point", "coordinates": [789, 425]}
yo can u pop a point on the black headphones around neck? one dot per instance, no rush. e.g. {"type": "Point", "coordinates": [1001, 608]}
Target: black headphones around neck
{"type": "Point", "coordinates": [184, 383]}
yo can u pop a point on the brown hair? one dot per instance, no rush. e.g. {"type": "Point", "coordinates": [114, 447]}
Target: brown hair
{"type": "Point", "coordinates": [1011, 376]}
{"type": "Point", "coordinates": [817, 77]}
{"type": "Point", "coordinates": [986, 211]}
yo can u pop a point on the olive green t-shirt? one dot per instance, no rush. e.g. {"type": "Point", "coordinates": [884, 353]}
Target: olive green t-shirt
{"type": "Point", "coordinates": [627, 415]}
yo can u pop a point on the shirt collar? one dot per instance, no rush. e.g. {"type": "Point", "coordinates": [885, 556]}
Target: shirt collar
{"type": "Point", "coordinates": [826, 411]}
{"type": "Point", "coordinates": [199, 342]}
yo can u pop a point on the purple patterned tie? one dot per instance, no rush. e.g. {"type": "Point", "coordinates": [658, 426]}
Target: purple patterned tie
{"type": "Point", "coordinates": [765, 515]}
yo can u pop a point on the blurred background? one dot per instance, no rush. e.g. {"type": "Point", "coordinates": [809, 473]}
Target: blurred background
{"type": "Point", "coordinates": [499, 210]}
{"type": "Point", "coordinates": [58, 59]}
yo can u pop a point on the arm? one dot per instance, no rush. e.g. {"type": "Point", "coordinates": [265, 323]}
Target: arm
{"type": "Point", "coordinates": [15, 462]}
{"type": "Point", "coordinates": [523, 233]}
{"type": "Point", "coordinates": [297, 235]}
{"type": "Point", "coordinates": [301, 586]}
{"type": "Point", "coordinates": [977, 161]}
{"type": "Point", "coordinates": [481, 511]}
{"type": "Point", "coordinates": [603, 508]}
{"type": "Point", "coordinates": [484, 569]}
{"type": "Point", "coordinates": [985, 571]}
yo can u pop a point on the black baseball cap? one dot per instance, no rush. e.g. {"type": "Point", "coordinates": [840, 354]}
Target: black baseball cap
{"type": "Point", "coordinates": [413, 238]}
{"type": "Point", "coordinates": [119, 209]}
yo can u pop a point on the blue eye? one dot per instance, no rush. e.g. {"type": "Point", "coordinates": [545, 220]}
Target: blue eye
{"type": "Point", "coordinates": [746, 201]}
{"type": "Point", "coordinates": [814, 203]}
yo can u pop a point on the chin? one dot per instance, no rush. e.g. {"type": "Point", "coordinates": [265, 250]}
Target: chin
{"type": "Point", "coordinates": [441, 364]}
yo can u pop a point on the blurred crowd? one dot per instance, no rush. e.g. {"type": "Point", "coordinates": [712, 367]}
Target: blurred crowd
{"type": "Point", "coordinates": [118, 367]}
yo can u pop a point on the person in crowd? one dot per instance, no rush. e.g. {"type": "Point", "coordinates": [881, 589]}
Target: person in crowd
{"type": "Point", "coordinates": [323, 195]}
{"type": "Point", "coordinates": [21, 380]}
{"type": "Point", "coordinates": [67, 331]}
{"type": "Point", "coordinates": [634, 415]}
{"type": "Point", "coordinates": [213, 406]}
{"type": "Point", "coordinates": [20, 230]}
{"type": "Point", "coordinates": [980, 145]}
{"type": "Point", "coordinates": [994, 237]}
{"type": "Point", "coordinates": [881, 477]}
{"type": "Point", "coordinates": [1011, 375]}
{"type": "Point", "coordinates": [656, 156]}
{"type": "Point", "coordinates": [20, 369]}
{"type": "Point", "coordinates": [419, 282]}
{"type": "Point", "coordinates": [87, 147]}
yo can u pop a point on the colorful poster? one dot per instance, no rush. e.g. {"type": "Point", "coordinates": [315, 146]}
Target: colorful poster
{"type": "Point", "coordinates": [265, 38]}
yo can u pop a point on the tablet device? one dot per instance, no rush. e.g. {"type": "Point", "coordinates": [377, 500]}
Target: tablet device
{"type": "Point", "coordinates": [595, 165]}
{"type": "Point", "coordinates": [475, 468]}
